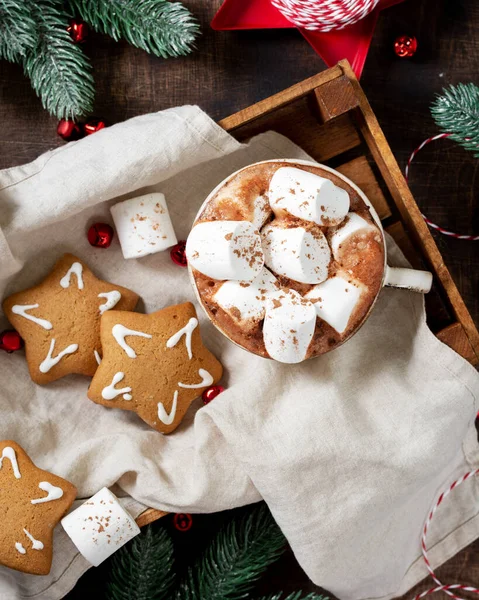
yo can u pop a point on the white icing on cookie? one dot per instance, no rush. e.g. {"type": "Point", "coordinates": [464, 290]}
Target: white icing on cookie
{"type": "Point", "coordinates": [9, 452]}
{"type": "Point", "coordinates": [20, 309]}
{"type": "Point", "coordinates": [20, 548]}
{"type": "Point", "coordinates": [112, 299]}
{"type": "Point", "coordinates": [53, 493]}
{"type": "Point", "coordinates": [207, 379]}
{"type": "Point", "coordinates": [50, 361]}
{"type": "Point", "coordinates": [120, 332]}
{"type": "Point", "coordinates": [110, 392]}
{"type": "Point", "coordinates": [97, 356]}
{"type": "Point", "coordinates": [164, 417]}
{"type": "Point", "coordinates": [187, 331]}
{"type": "Point", "coordinates": [77, 269]}
{"type": "Point", "coordinates": [36, 544]}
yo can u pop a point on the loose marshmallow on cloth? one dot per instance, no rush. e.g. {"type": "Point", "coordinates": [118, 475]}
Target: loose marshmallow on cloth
{"type": "Point", "coordinates": [349, 450]}
{"type": "Point", "coordinates": [288, 326]}
{"type": "Point", "coordinates": [100, 526]}
{"type": "Point", "coordinates": [307, 196]}
{"type": "Point", "coordinates": [353, 225]}
{"type": "Point", "coordinates": [335, 300]}
{"type": "Point", "coordinates": [296, 253]}
{"type": "Point", "coordinates": [143, 225]}
{"type": "Point", "coordinates": [225, 250]}
{"type": "Point", "coordinates": [248, 298]}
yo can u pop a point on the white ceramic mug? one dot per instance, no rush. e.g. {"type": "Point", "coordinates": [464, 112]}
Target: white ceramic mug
{"type": "Point", "coordinates": [409, 279]}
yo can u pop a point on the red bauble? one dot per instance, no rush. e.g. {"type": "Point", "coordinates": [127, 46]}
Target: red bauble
{"type": "Point", "coordinates": [405, 46]}
{"type": "Point", "coordinates": [93, 125]}
{"type": "Point", "coordinates": [78, 31]}
{"type": "Point", "coordinates": [178, 254]}
{"type": "Point", "coordinates": [211, 393]}
{"type": "Point", "coordinates": [183, 521]}
{"type": "Point", "coordinates": [100, 235]}
{"type": "Point", "coordinates": [69, 130]}
{"type": "Point", "coordinates": [10, 341]}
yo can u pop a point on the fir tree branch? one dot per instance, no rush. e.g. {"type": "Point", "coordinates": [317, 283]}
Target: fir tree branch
{"type": "Point", "coordinates": [457, 112]}
{"type": "Point", "coordinates": [295, 596]}
{"type": "Point", "coordinates": [156, 26]}
{"type": "Point", "coordinates": [17, 30]}
{"type": "Point", "coordinates": [143, 570]}
{"type": "Point", "coordinates": [235, 559]}
{"type": "Point", "coordinates": [59, 71]}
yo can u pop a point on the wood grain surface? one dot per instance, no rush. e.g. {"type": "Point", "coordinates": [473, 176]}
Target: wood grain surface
{"type": "Point", "coordinates": [232, 70]}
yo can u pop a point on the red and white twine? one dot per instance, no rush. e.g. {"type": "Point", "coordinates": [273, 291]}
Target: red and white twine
{"type": "Point", "coordinates": [457, 236]}
{"type": "Point", "coordinates": [440, 586]}
{"type": "Point", "coordinates": [324, 15]}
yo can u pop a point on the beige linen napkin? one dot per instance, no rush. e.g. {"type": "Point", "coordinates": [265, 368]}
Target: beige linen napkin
{"type": "Point", "coordinates": [349, 450]}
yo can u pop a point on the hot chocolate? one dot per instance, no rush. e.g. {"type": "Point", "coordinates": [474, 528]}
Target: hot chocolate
{"type": "Point", "coordinates": [287, 260]}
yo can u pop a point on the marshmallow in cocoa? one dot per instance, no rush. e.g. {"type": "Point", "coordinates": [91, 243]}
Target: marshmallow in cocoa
{"type": "Point", "coordinates": [225, 250]}
{"type": "Point", "coordinates": [288, 327]}
{"type": "Point", "coordinates": [307, 196]}
{"type": "Point", "coordinates": [296, 253]}
{"type": "Point", "coordinates": [335, 300]}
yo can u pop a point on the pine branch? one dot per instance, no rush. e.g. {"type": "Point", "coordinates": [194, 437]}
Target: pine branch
{"type": "Point", "coordinates": [295, 596]}
{"type": "Point", "coordinates": [59, 71]}
{"type": "Point", "coordinates": [156, 26]}
{"type": "Point", "coordinates": [17, 30]}
{"type": "Point", "coordinates": [457, 112]}
{"type": "Point", "coordinates": [143, 570]}
{"type": "Point", "coordinates": [235, 560]}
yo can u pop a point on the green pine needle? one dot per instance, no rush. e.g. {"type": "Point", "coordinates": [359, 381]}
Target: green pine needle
{"type": "Point", "coordinates": [59, 71]}
{"type": "Point", "coordinates": [457, 112]}
{"type": "Point", "coordinates": [143, 570]}
{"type": "Point", "coordinates": [18, 32]}
{"type": "Point", "coordinates": [296, 596]}
{"type": "Point", "coordinates": [236, 559]}
{"type": "Point", "coordinates": [156, 26]}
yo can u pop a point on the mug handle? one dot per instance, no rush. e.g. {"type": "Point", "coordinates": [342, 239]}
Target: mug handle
{"type": "Point", "coordinates": [409, 279]}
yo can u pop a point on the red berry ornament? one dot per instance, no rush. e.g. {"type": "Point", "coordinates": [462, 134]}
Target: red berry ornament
{"type": "Point", "coordinates": [78, 31]}
{"type": "Point", "coordinates": [178, 254]}
{"type": "Point", "coordinates": [93, 125]}
{"type": "Point", "coordinates": [405, 46]}
{"type": "Point", "coordinates": [100, 235]}
{"type": "Point", "coordinates": [69, 130]}
{"type": "Point", "coordinates": [10, 341]}
{"type": "Point", "coordinates": [211, 393]}
{"type": "Point", "coordinates": [183, 521]}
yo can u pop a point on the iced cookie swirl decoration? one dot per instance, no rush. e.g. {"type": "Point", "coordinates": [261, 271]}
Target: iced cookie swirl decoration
{"type": "Point", "coordinates": [59, 319]}
{"type": "Point", "coordinates": [27, 539]}
{"type": "Point", "coordinates": [154, 365]}
{"type": "Point", "coordinates": [278, 274]}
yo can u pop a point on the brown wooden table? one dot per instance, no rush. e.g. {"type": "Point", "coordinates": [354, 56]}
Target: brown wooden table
{"type": "Point", "coordinates": [231, 70]}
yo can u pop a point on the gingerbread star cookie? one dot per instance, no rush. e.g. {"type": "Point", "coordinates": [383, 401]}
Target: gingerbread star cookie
{"type": "Point", "coordinates": [59, 319]}
{"type": "Point", "coordinates": [154, 365]}
{"type": "Point", "coordinates": [32, 502]}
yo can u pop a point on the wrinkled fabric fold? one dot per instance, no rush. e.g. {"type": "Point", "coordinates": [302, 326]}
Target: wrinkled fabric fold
{"type": "Point", "coordinates": [349, 450]}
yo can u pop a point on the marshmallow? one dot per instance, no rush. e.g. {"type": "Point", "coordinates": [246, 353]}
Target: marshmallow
{"type": "Point", "coordinates": [307, 196]}
{"type": "Point", "coordinates": [288, 326]}
{"type": "Point", "coordinates": [143, 225]}
{"type": "Point", "coordinates": [100, 526]}
{"type": "Point", "coordinates": [353, 225]}
{"type": "Point", "coordinates": [296, 253]}
{"type": "Point", "coordinates": [335, 300]}
{"type": "Point", "coordinates": [261, 211]}
{"type": "Point", "coordinates": [225, 250]}
{"type": "Point", "coordinates": [244, 300]}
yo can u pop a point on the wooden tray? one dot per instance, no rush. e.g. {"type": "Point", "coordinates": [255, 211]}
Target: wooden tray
{"type": "Point", "coordinates": [329, 117]}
